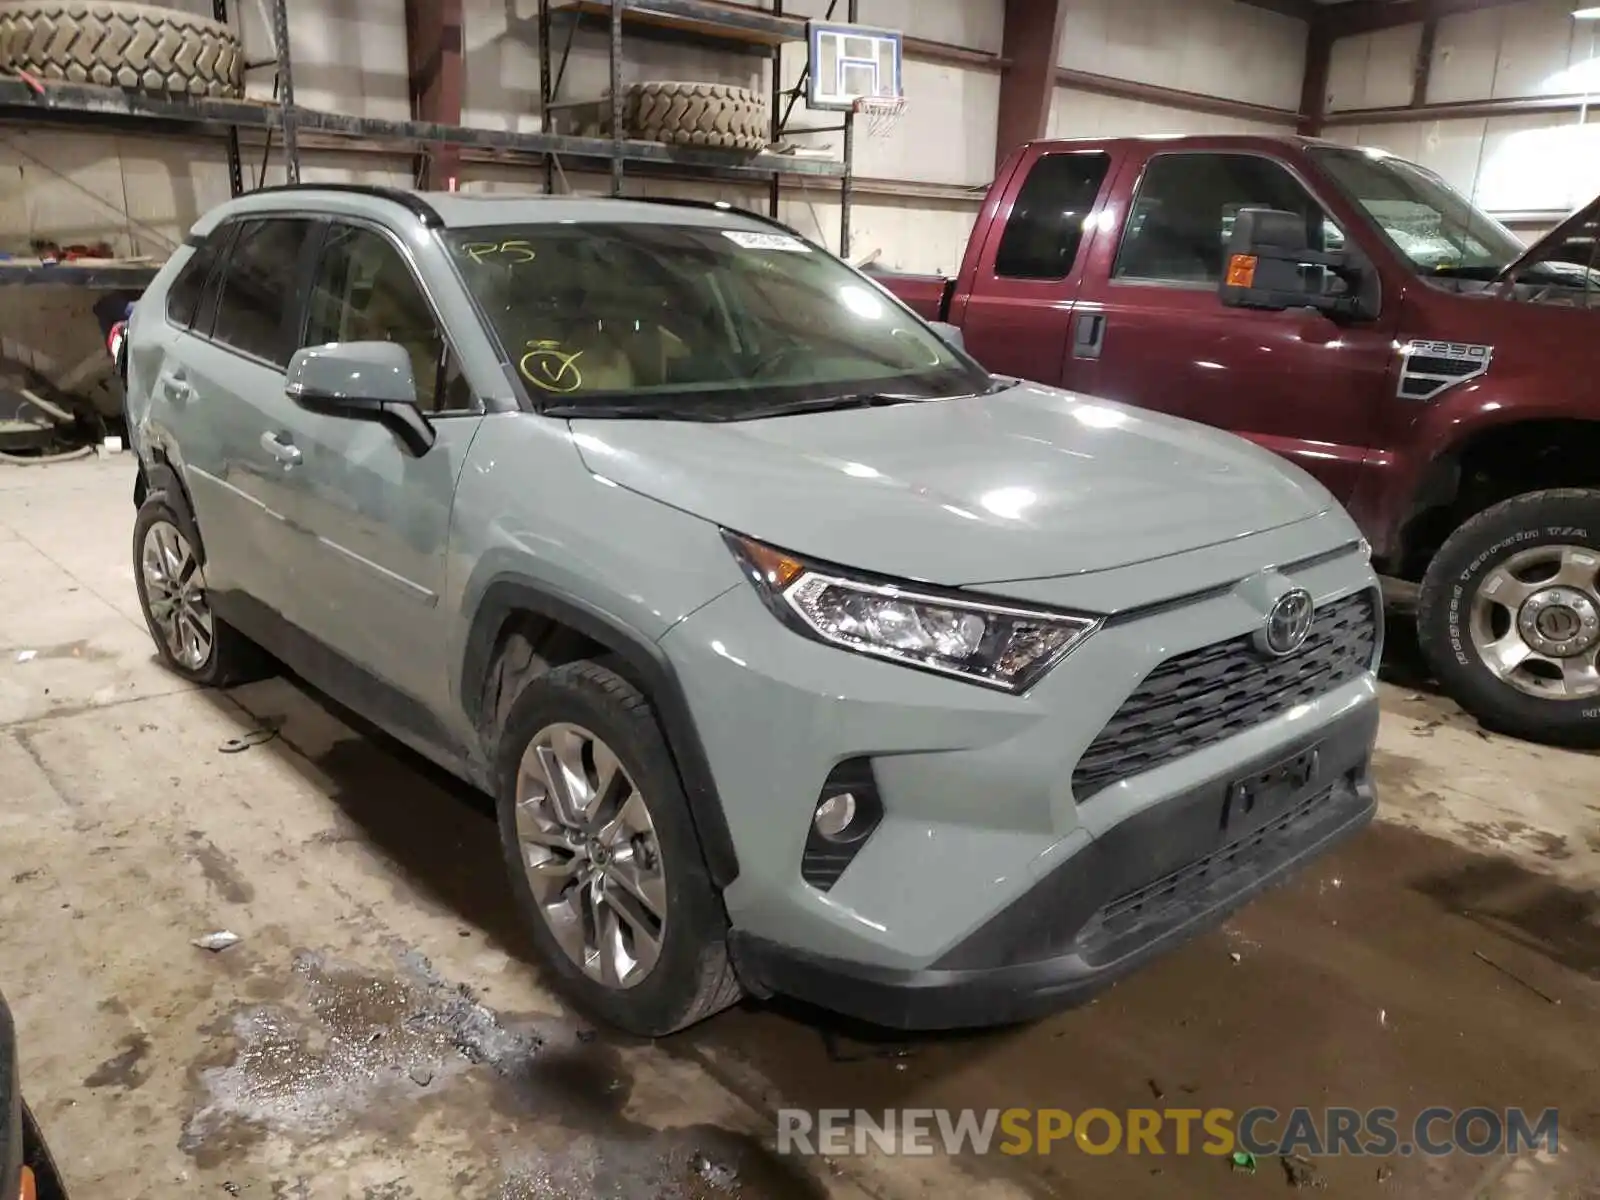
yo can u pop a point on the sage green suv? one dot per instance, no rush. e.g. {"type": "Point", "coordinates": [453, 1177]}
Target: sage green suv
{"type": "Point", "coordinates": [800, 654]}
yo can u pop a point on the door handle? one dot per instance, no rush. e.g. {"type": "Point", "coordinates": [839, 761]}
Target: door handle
{"type": "Point", "coordinates": [176, 386]}
{"type": "Point", "coordinates": [286, 453]}
{"type": "Point", "coordinates": [1088, 335]}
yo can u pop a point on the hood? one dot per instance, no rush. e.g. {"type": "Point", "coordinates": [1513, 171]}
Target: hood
{"type": "Point", "coordinates": [1028, 483]}
{"type": "Point", "coordinates": [1585, 215]}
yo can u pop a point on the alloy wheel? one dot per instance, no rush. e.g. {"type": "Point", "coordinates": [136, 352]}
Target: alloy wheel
{"type": "Point", "coordinates": [591, 855]}
{"type": "Point", "coordinates": [175, 594]}
{"type": "Point", "coordinates": [1535, 622]}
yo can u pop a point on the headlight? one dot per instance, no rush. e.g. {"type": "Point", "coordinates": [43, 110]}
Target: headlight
{"type": "Point", "coordinates": [985, 642]}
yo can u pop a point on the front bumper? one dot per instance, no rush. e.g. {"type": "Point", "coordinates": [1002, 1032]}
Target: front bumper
{"type": "Point", "coordinates": [984, 827]}
{"type": "Point", "coordinates": [1151, 882]}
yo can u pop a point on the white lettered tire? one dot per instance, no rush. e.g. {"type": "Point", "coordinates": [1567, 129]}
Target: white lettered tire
{"type": "Point", "coordinates": [1509, 616]}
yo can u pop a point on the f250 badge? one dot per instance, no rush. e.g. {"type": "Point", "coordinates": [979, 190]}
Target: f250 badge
{"type": "Point", "coordinates": [1429, 369]}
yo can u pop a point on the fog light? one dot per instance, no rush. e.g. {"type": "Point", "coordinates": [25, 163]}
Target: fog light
{"type": "Point", "coordinates": [834, 815]}
{"type": "Point", "coordinates": [848, 810]}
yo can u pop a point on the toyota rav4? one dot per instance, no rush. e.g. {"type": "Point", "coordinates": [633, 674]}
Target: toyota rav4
{"type": "Point", "coordinates": [800, 654]}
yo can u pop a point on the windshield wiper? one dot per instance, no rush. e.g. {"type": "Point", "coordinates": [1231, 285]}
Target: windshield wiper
{"type": "Point", "coordinates": [715, 409]}
{"type": "Point", "coordinates": [789, 408]}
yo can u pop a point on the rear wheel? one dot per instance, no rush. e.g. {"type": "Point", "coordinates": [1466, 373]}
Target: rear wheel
{"type": "Point", "coordinates": [192, 640]}
{"type": "Point", "coordinates": [1509, 616]}
{"type": "Point", "coordinates": [603, 857]}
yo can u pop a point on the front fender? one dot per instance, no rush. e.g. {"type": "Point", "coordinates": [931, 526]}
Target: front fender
{"type": "Point", "coordinates": [1390, 488]}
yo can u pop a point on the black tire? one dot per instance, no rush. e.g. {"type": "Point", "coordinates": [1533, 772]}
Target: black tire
{"type": "Point", "coordinates": [716, 115]}
{"type": "Point", "coordinates": [693, 978]}
{"type": "Point", "coordinates": [234, 659]}
{"type": "Point", "coordinates": [1568, 516]}
{"type": "Point", "coordinates": [115, 43]}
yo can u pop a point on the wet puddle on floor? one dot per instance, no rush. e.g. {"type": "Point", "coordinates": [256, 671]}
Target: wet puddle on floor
{"type": "Point", "coordinates": [538, 1102]}
{"type": "Point", "coordinates": [1401, 972]}
{"type": "Point", "coordinates": [1398, 972]}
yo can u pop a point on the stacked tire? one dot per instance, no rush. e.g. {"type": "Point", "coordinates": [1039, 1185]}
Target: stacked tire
{"type": "Point", "coordinates": [116, 43]}
{"type": "Point", "coordinates": [715, 115]}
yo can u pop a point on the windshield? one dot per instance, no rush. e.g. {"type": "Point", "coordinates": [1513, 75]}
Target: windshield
{"type": "Point", "coordinates": [1426, 219]}
{"type": "Point", "coordinates": [647, 319]}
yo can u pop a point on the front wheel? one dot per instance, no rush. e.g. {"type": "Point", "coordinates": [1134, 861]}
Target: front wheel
{"type": "Point", "coordinates": [604, 861]}
{"type": "Point", "coordinates": [1509, 617]}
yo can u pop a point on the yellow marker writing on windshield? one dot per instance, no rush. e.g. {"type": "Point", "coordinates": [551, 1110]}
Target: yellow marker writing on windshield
{"type": "Point", "coordinates": [513, 252]}
{"type": "Point", "coordinates": [546, 365]}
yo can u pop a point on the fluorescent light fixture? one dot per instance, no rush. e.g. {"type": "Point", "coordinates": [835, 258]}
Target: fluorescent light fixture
{"type": "Point", "coordinates": [1591, 13]}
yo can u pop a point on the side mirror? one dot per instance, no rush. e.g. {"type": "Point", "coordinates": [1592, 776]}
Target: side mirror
{"type": "Point", "coordinates": [949, 333]}
{"type": "Point", "coordinates": [1268, 253]}
{"type": "Point", "coordinates": [362, 381]}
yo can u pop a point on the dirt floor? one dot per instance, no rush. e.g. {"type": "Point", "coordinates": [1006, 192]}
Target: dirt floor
{"type": "Point", "coordinates": [378, 1033]}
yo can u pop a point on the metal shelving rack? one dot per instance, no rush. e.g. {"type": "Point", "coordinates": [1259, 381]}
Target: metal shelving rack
{"type": "Point", "coordinates": [115, 109]}
{"type": "Point", "coordinates": [719, 24]}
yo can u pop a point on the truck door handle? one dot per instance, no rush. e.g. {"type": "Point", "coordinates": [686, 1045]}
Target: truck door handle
{"type": "Point", "coordinates": [1088, 335]}
{"type": "Point", "coordinates": [286, 453]}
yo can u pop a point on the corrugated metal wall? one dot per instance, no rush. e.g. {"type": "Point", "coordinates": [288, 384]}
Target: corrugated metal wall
{"type": "Point", "coordinates": [1210, 47]}
{"type": "Point", "coordinates": [1532, 166]}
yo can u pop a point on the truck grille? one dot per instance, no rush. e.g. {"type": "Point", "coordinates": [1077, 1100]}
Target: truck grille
{"type": "Point", "coordinates": [1206, 695]}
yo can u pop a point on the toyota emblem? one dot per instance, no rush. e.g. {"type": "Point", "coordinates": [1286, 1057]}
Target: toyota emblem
{"type": "Point", "coordinates": [1288, 624]}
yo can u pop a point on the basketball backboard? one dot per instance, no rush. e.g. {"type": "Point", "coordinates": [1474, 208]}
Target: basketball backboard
{"type": "Point", "coordinates": [850, 63]}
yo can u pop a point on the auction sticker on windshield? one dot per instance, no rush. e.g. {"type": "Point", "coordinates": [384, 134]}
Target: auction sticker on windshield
{"type": "Point", "coordinates": [766, 241]}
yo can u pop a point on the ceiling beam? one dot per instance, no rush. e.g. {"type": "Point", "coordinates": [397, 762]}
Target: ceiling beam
{"type": "Point", "coordinates": [1369, 16]}
{"type": "Point", "coordinates": [1304, 10]}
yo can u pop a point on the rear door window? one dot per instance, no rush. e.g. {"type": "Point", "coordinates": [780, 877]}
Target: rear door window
{"type": "Point", "coordinates": [183, 297]}
{"type": "Point", "coordinates": [1045, 230]}
{"type": "Point", "coordinates": [256, 310]}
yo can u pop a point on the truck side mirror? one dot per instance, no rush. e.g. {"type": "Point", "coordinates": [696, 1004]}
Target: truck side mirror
{"type": "Point", "coordinates": [1268, 253]}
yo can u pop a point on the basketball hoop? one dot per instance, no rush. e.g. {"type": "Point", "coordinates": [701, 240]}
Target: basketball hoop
{"type": "Point", "coordinates": [882, 113]}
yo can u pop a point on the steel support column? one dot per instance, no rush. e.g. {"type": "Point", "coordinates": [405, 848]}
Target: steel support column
{"type": "Point", "coordinates": [433, 44]}
{"type": "Point", "coordinates": [1031, 43]}
{"type": "Point", "coordinates": [1422, 76]}
{"type": "Point", "coordinates": [291, 139]}
{"type": "Point", "coordinates": [1314, 88]}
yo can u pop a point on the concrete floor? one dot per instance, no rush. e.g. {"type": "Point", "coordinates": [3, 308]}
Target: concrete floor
{"type": "Point", "coordinates": [378, 1033]}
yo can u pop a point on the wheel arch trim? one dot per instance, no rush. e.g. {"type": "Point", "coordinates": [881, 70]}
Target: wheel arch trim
{"type": "Point", "coordinates": [505, 595]}
{"type": "Point", "coordinates": [159, 475]}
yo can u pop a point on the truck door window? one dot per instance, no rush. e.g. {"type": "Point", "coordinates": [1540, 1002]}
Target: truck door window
{"type": "Point", "coordinates": [1177, 231]}
{"type": "Point", "coordinates": [1042, 236]}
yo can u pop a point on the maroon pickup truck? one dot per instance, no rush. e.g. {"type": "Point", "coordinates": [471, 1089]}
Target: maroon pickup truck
{"type": "Point", "coordinates": [1353, 313]}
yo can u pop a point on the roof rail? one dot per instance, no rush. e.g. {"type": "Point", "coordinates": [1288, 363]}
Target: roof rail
{"type": "Point", "coordinates": [720, 206]}
{"type": "Point", "coordinates": [411, 201]}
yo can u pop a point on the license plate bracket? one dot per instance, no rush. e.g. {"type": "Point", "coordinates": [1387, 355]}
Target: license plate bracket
{"type": "Point", "coordinates": [1258, 797]}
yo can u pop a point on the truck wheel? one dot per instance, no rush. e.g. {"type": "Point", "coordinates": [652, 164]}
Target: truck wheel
{"type": "Point", "coordinates": [603, 857]}
{"type": "Point", "coordinates": [1509, 616]}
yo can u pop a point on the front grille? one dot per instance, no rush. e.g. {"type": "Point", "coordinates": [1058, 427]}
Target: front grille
{"type": "Point", "coordinates": [1206, 695]}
